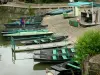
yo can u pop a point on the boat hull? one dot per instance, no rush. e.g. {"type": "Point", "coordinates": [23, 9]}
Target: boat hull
{"type": "Point", "coordinates": [65, 67]}
{"type": "Point", "coordinates": [48, 56]}
{"type": "Point", "coordinates": [24, 35]}
{"type": "Point", "coordinates": [12, 30]}
{"type": "Point", "coordinates": [58, 11]}
{"type": "Point", "coordinates": [46, 40]}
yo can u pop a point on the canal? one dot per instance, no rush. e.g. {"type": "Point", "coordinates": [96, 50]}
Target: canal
{"type": "Point", "coordinates": [24, 65]}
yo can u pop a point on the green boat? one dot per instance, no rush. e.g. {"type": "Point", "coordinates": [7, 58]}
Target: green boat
{"type": "Point", "coordinates": [31, 33]}
{"type": "Point", "coordinates": [30, 21]}
{"type": "Point", "coordinates": [54, 55]}
{"type": "Point", "coordinates": [23, 30]}
{"type": "Point", "coordinates": [48, 39]}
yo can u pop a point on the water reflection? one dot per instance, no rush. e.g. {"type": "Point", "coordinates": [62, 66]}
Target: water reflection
{"type": "Point", "coordinates": [42, 66]}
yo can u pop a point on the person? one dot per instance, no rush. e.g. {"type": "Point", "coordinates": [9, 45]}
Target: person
{"type": "Point", "coordinates": [89, 16]}
{"type": "Point", "coordinates": [22, 22]}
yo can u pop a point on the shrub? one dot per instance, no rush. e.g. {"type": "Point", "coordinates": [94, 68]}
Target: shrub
{"type": "Point", "coordinates": [88, 44]}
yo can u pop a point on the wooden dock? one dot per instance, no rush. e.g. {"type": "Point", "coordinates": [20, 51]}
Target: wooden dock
{"type": "Point", "coordinates": [40, 46]}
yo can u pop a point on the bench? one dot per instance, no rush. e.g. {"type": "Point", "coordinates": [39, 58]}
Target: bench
{"type": "Point", "coordinates": [51, 39]}
{"type": "Point", "coordinates": [74, 66]}
{"type": "Point", "coordinates": [43, 40]}
{"type": "Point", "coordinates": [64, 57]}
{"type": "Point", "coordinates": [54, 57]}
{"type": "Point", "coordinates": [54, 51]}
{"type": "Point", "coordinates": [72, 50]}
{"type": "Point", "coordinates": [63, 50]}
{"type": "Point", "coordinates": [36, 41]}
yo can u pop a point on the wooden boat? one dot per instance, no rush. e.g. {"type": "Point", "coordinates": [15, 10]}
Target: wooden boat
{"type": "Point", "coordinates": [36, 24]}
{"type": "Point", "coordinates": [44, 40]}
{"type": "Point", "coordinates": [26, 26]}
{"type": "Point", "coordinates": [11, 31]}
{"type": "Point", "coordinates": [68, 67]}
{"type": "Point", "coordinates": [28, 33]}
{"type": "Point", "coordinates": [31, 21]}
{"type": "Point", "coordinates": [58, 11]}
{"type": "Point", "coordinates": [53, 55]}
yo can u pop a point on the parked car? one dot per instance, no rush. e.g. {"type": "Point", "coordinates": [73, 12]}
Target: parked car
{"type": "Point", "coordinates": [3, 1]}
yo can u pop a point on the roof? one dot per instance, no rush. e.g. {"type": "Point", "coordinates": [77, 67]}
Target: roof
{"type": "Point", "coordinates": [78, 4]}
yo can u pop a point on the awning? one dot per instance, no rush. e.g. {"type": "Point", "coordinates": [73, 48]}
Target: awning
{"type": "Point", "coordinates": [78, 4]}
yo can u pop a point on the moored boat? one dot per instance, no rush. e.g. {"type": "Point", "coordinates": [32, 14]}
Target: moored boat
{"type": "Point", "coordinates": [28, 33]}
{"type": "Point", "coordinates": [43, 40]}
{"type": "Point", "coordinates": [58, 11]}
{"type": "Point", "coordinates": [68, 67]}
{"type": "Point", "coordinates": [31, 21]}
{"type": "Point", "coordinates": [54, 55]}
{"type": "Point", "coordinates": [11, 31]}
{"type": "Point", "coordinates": [26, 26]}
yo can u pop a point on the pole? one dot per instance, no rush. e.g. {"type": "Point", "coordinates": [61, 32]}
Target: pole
{"type": "Point", "coordinates": [92, 14]}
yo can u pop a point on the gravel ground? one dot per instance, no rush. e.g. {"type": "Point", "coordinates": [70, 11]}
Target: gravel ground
{"type": "Point", "coordinates": [61, 26]}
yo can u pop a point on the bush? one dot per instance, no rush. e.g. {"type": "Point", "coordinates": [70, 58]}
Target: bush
{"type": "Point", "coordinates": [31, 11]}
{"type": "Point", "coordinates": [88, 44]}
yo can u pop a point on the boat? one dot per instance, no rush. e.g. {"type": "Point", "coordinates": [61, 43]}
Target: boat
{"type": "Point", "coordinates": [28, 33]}
{"type": "Point", "coordinates": [31, 21]}
{"type": "Point", "coordinates": [53, 55]}
{"type": "Point", "coordinates": [58, 11]}
{"type": "Point", "coordinates": [43, 40]}
{"type": "Point", "coordinates": [68, 67]}
{"type": "Point", "coordinates": [18, 25]}
{"type": "Point", "coordinates": [26, 26]}
{"type": "Point", "coordinates": [10, 31]}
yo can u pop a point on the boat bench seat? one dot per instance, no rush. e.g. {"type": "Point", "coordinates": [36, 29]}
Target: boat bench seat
{"type": "Point", "coordinates": [63, 51]}
{"type": "Point", "coordinates": [42, 40]}
{"type": "Point", "coordinates": [36, 41]}
{"type": "Point", "coordinates": [64, 57]}
{"type": "Point", "coordinates": [74, 66]}
{"type": "Point", "coordinates": [51, 39]}
{"type": "Point", "coordinates": [54, 51]}
{"type": "Point", "coordinates": [54, 57]}
{"type": "Point", "coordinates": [72, 50]}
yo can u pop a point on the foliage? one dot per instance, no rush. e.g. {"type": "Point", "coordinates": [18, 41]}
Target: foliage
{"type": "Point", "coordinates": [45, 1]}
{"type": "Point", "coordinates": [30, 11]}
{"type": "Point", "coordinates": [88, 44]}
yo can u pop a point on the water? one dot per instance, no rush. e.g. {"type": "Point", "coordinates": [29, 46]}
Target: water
{"type": "Point", "coordinates": [24, 65]}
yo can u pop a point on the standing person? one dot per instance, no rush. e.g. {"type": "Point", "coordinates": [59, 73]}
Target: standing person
{"type": "Point", "coordinates": [22, 22]}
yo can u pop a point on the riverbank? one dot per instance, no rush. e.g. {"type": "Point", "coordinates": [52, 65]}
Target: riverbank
{"type": "Point", "coordinates": [26, 5]}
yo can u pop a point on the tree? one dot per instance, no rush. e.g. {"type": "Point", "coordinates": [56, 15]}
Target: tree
{"type": "Point", "coordinates": [88, 44]}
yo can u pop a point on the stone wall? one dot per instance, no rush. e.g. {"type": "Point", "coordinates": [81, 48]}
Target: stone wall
{"type": "Point", "coordinates": [92, 66]}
